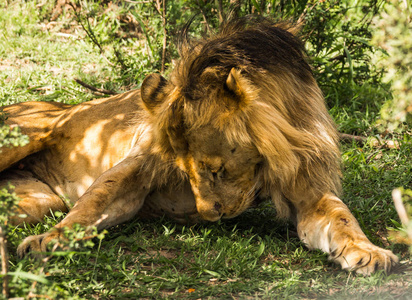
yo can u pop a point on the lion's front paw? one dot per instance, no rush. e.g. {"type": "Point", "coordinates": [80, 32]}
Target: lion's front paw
{"type": "Point", "coordinates": [37, 244]}
{"type": "Point", "coordinates": [364, 258]}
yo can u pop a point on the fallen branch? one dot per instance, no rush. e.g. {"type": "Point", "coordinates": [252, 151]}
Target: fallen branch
{"type": "Point", "coordinates": [344, 137]}
{"type": "Point", "coordinates": [92, 88]}
{"type": "Point", "coordinates": [403, 216]}
{"type": "Point", "coordinates": [400, 208]}
{"type": "Point", "coordinates": [373, 141]}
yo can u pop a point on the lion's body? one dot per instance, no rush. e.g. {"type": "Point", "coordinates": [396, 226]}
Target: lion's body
{"type": "Point", "coordinates": [77, 145]}
{"type": "Point", "coordinates": [240, 116]}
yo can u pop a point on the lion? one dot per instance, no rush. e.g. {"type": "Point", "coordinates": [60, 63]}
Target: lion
{"type": "Point", "coordinates": [240, 118]}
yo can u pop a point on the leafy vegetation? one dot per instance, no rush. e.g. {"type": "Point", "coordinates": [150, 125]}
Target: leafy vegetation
{"type": "Point", "coordinates": [113, 45]}
{"type": "Point", "coordinates": [397, 62]}
{"type": "Point", "coordinates": [10, 137]}
{"type": "Point", "coordinates": [397, 112]}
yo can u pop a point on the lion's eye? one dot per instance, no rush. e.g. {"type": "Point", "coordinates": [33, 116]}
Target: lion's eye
{"type": "Point", "coordinates": [213, 173]}
{"type": "Point", "coordinates": [202, 165]}
{"type": "Point", "coordinates": [219, 174]}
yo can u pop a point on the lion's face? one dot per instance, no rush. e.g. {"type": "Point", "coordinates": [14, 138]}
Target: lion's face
{"type": "Point", "coordinates": [229, 107]}
{"type": "Point", "coordinates": [222, 175]}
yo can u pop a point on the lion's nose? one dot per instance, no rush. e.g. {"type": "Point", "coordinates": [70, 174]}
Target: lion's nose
{"type": "Point", "coordinates": [209, 211]}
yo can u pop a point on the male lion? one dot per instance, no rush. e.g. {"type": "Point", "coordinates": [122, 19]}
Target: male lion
{"type": "Point", "coordinates": [241, 116]}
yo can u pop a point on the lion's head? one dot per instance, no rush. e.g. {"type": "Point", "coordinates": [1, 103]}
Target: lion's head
{"type": "Point", "coordinates": [243, 114]}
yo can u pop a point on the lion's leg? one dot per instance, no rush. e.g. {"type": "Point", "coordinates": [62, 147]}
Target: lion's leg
{"type": "Point", "coordinates": [329, 225]}
{"type": "Point", "coordinates": [37, 199]}
{"type": "Point", "coordinates": [115, 197]}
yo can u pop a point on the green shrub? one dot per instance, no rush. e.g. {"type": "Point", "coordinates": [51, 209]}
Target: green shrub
{"type": "Point", "coordinates": [394, 37]}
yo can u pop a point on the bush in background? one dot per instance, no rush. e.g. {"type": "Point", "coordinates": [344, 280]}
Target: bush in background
{"type": "Point", "coordinates": [394, 36]}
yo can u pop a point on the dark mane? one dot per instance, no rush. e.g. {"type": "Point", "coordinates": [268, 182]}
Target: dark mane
{"type": "Point", "coordinates": [250, 44]}
{"type": "Point", "coordinates": [252, 82]}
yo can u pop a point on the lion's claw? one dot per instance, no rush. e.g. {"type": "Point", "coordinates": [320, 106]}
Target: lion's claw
{"type": "Point", "coordinates": [36, 245]}
{"type": "Point", "coordinates": [365, 258]}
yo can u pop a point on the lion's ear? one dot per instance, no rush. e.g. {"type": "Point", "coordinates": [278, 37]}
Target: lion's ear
{"type": "Point", "coordinates": [152, 91]}
{"type": "Point", "coordinates": [240, 88]}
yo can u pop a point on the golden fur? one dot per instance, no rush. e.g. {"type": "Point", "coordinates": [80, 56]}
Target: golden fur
{"type": "Point", "coordinates": [240, 117]}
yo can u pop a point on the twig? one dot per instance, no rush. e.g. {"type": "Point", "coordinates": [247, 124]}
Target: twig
{"type": "Point", "coordinates": [220, 11]}
{"type": "Point", "coordinates": [90, 33]}
{"type": "Point", "coordinates": [376, 142]}
{"type": "Point", "coordinates": [403, 216]}
{"type": "Point", "coordinates": [102, 91]}
{"type": "Point", "coordinates": [119, 58]}
{"type": "Point", "coordinates": [31, 295]}
{"type": "Point", "coordinates": [400, 208]}
{"type": "Point", "coordinates": [89, 30]}
{"type": "Point", "coordinates": [162, 13]}
{"type": "Point", "coordinates": [137, 2]}
{"type": "Point", "coordinates": [349, 138]}
{"type": "Point", "coordinates": [304, 13]}
{"type": "Point", "coordinates": [204, 16]}
{"type": "Point", "coordinates": [164, 37]}
{"type": "Point", "coordinates": [4, 262]}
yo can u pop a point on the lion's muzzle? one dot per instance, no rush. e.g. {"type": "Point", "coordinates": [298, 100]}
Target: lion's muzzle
{"type": "Point", "coordinates": [209, 210]}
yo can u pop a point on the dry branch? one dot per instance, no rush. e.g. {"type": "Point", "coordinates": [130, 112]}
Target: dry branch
{"type": "Point", "coordinates": [137, 2]}
{"type": "Point", "coordinates": [374, 141]}
{"type": "Point", "coordinates": [92, 88]}
{"type": "Point", "coordinates": [89, 32]}
{"type": "Point", "coordinates": [400, 208]}
{"type": "Point", "coordinates": [204, 16]}
{"type": "Point", "coordinates": [220, 11]}
{"type": "Point", "coordinates": [403, 216]}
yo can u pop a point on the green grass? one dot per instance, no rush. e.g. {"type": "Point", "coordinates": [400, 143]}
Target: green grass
{"type": "Point", "coordinates": [251, 256]}
{"type": "Point", "coordinates": [40, 64]}
{"type": "Point", "coordinates": [254, 256]}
